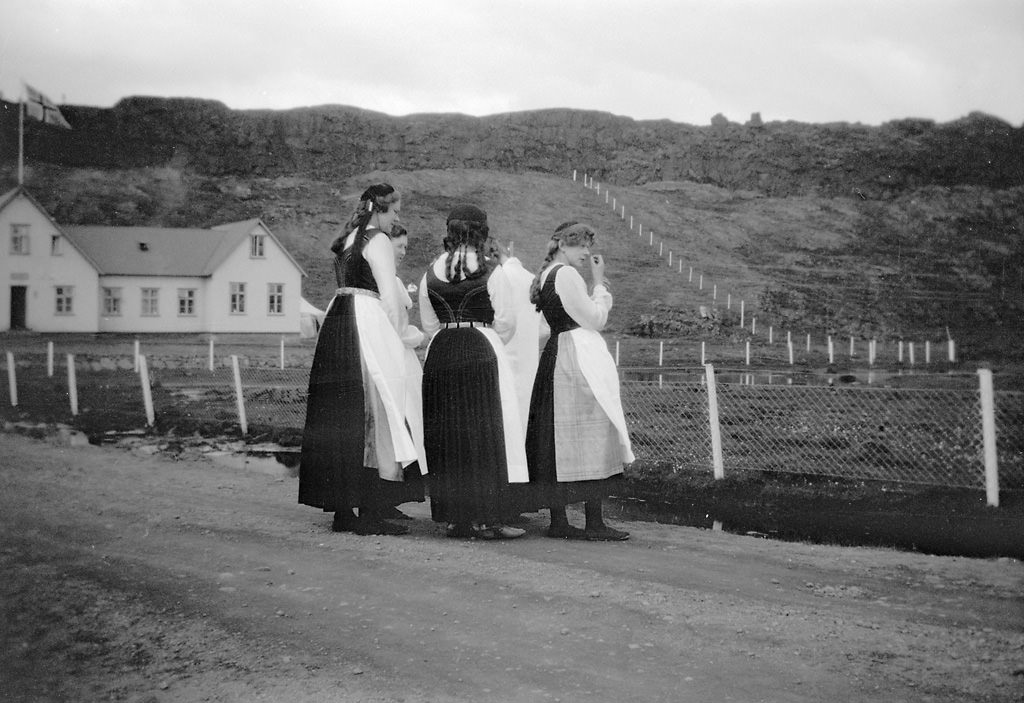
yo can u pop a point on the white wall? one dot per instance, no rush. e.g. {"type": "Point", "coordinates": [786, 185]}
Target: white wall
{"type": "Point", "coordinates": [167, 318]}
{"type": "Point", "coordinates": [41, 272]}
{"type": "Point", "coordinates": [256, 273]}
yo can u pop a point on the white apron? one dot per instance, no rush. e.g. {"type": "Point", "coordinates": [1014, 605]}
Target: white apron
{"type": "Point", "coordinates": [585, 351]}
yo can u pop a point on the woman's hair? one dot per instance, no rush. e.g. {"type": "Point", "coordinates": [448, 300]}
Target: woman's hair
{"type": "Point", "coordinates": [573, 233]}
{"type": "Point", "coordinates": [376, 198]}
{"type": "Point", "coordinates": [397, 231]}
{"type": "Point", "coordinates": [467, 229]}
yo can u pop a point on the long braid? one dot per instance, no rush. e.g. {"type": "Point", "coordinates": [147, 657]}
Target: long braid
{"type": "Point", "coordinates": [535, 285]}
{"type": "Point", "coordinates": [462, 236]}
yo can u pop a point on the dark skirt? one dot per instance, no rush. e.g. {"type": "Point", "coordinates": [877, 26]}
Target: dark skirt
{"type": "Point", "coordinates": [331, 472]}
{"type": "Point", "coordinates": [463, 433]}
{"type": "Point", "coordinates": [548, 491]}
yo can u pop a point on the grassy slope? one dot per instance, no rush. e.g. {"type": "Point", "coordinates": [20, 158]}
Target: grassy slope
{"type": "Point", "coordinates": [911, 266]}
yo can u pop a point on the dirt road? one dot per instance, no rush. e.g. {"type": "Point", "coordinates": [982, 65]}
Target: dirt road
{"type": "Point", "coordinates": [129, 576]}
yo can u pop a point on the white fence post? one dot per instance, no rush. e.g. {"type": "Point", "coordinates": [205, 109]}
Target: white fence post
{"type": "Point", "coordinates": [49, 359]}
{"type": "Point", "coordinates": [988, 436]}
{"type": "Point", "coordinates": [661, 352]}
{"type": "Point", "coordinates": [748, 352]}
{"type": "Point", "coordinates": [616, 352]}
{"type": "Point", "coordinates": [741, 315]}
{"type": "Point", "coordinates": [135, 356]}
{"type": "Point", "coordinates": [831, 351]}
{"type": "Point", "coordinates": [717, 462]}
{"type": "Point", "coordinates": [12, 380]}
{"type": "Point", "coordinates": [239, 398]}
{"type": "Point", "coordinates": [72, 385]}
{"type": "Point", "coordinates": [211, 353]}
{"type": "Point", "coordinates": [147, 391]}
{"type": "Point", "coordinates": [282, 351]}
{"type": "Point", "coordinates": [952, 351]}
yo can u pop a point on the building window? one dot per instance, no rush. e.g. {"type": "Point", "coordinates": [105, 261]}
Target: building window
{"type": "Point", "coordinates": [19, 239]}
{"type": "Point", "coordinates": [238, 298]}
{"type": "Point", "coordinates": [275, 298]}
{"type": "Point", "coordinates": [257, 248]}
{"type": "Point", "coordinates": [55, 246]}
{"type": "Point", "coordinates": [150, 302]}
{"type": "Point", "coordinates": [112, 301]}
{"type": "Point", "coordinates": [65, 300]}
{"type": "Point", "coordinates": [186, 301]}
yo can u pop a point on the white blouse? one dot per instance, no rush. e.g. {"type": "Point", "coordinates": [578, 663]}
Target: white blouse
{"type": "Point", "coordinates": [380, 254]}
{"type": "Point", "coordinates": [589, 311]}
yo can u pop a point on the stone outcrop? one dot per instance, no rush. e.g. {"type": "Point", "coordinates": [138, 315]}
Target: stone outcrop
{"type": "Point", "coordinates": [777, 158]}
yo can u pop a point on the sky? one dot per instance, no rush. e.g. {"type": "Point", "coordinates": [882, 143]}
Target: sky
{"type": "Point", "coordinates": [868, 61]}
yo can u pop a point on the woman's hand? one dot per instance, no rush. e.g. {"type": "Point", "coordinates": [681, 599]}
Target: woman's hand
{"type": "Point", "coordinates": [597, 268]}
{"type": "Point", "coordinates": [497, 250]}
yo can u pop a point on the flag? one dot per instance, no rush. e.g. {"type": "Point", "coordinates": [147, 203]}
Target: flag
{"type": "Point", "coordinates": [40, 107]}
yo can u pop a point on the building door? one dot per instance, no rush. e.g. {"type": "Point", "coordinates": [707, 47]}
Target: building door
{"type": "Point", "coordinates": [19, 294]}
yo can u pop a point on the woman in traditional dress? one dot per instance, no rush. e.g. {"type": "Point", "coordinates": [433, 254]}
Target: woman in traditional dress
{"type": "Point", "coordinates": [412, 338]}
{"type": "Point", "coordinates": [357, 450]}
{"type": "Point", "coordinates": [576, 440]}
{"type": "Point", "coordinates": [472, 430]}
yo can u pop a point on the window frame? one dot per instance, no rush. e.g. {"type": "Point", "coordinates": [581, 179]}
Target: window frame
{"type": "Point", "coordinates": [20, 232]}
{"type": "Point", "coordinates": [189, 297]}
{"type": "Point", "coordinates": [275, 293]}
{"type": "Point", "coordinates": [149, 302]}
{"type": "Point", "coordinates": [113, 294]}
{"type": "Point", "coordinates": [64, 300]}
{"type": "Point", "coordinates": [236, 299]}
{"type": "Point", "coordinates": [258, 246]}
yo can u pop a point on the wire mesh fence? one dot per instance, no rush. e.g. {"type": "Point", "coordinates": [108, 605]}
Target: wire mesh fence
{"type": "Point", "coordinates": [925, 436]}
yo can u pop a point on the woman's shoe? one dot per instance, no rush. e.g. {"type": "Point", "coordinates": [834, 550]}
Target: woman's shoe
{"type": "Point", "coordinates": [376, 526]}
{"type": "Point", "coordinates": [566, 532]}
{"type": "Point", "coordinates": [459, 530]}
{"type": "Point", "coordinates": [606, 534]}
{"type": "Point", "coordinates": [497, 532]}
{"type": "Point", "coordinates": [343, 522]}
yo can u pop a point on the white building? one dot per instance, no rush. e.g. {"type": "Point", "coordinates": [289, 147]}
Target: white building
{"type": "Point", "coordinates": [235, 277]}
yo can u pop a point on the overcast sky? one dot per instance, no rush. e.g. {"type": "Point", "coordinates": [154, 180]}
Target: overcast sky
{"type": "Point", "coordinates": [867, 61]}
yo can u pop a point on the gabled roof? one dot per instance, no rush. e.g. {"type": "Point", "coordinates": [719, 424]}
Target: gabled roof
{"type": "Point", "coordinates": [244, 229]}
{"type": "Point", "coordinates": [9, 197]}
{"type": "Point", "coordinates": [163, 251]}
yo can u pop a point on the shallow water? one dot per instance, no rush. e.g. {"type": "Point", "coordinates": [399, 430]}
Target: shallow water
{"type": "Point", "coordinates": [941, 534]}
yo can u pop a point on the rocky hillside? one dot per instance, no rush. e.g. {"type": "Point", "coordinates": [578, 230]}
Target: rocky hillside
{"type": "Point", "coordinates": [911, 229]}
{"type": "Point", "coordinates": [334, 142]}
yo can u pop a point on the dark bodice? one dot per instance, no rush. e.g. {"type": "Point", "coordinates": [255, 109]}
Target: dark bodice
{"type": "Point", "coordinates": [351, 269]}
{"type": "Point", "coordinates": [462, 301]}
{"type": "Point", "coordinates": [551, 305]}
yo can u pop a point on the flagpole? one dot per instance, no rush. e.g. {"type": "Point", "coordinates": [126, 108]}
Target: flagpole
{"type": "Point", "coordinates": [21, 139]}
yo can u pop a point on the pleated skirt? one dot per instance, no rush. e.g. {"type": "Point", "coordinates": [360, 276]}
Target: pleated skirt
{"type": "Point", "coordinates": [463, 433]}
{"type": "Point", "coordinates": [340, 417]}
